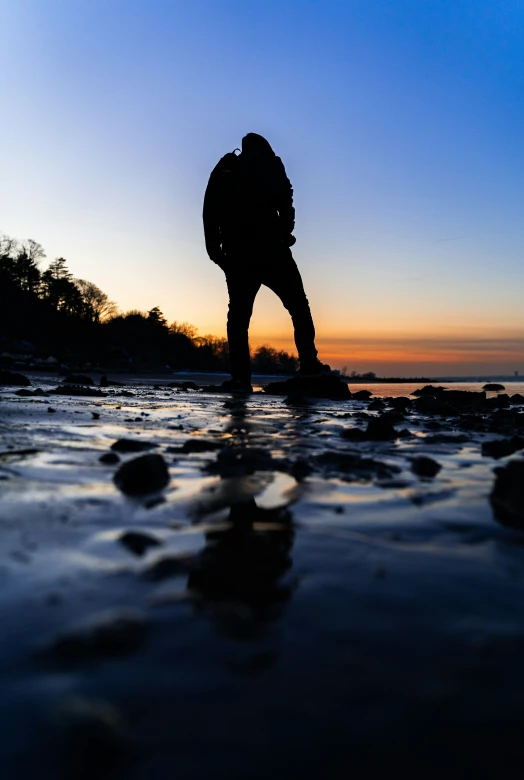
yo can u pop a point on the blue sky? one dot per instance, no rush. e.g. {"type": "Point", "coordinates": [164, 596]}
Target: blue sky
{"type": "Point", "coordinates": [400, 125]}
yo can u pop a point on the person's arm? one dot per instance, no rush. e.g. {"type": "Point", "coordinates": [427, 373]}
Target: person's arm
{"type": "Point", "coordinates": [284, 203]}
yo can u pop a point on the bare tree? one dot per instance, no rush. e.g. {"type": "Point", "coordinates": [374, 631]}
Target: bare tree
{"type": "Point", "coordinates": [98, 306]}
{"type": "Point", "coordinates": [184, 328]}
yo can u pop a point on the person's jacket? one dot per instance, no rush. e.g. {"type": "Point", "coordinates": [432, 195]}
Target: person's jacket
{"type": "Point", "coordinates": [247, 200]}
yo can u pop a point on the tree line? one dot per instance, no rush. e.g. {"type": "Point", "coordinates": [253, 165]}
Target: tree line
{"type": "Point", "coordinates": [72, 319]}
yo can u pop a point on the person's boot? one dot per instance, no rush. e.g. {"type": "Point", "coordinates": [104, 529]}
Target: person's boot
{"type": "Point", "coordinates": [237, 387]}
{"type": "Point", "coordinates": [314, 368]}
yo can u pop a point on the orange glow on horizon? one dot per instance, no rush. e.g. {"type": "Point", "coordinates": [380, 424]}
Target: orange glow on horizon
{"type": "Point", "coordinates": [396, 355]}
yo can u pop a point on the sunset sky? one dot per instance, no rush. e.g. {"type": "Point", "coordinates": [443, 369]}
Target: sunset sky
{"type": "Point", "coordinates": [400, 123]}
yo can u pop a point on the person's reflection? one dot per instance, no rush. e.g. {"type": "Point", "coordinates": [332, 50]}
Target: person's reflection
{"type": "Point", "coordinates": [238, 578]}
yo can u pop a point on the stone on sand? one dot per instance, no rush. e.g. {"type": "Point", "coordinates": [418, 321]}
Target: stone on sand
{"type": "Point", "coordinates": [145, 474]}
{"type": "Point", "coordinates": [507, 495]}
{"type": "Point", "coordinates": [109, 458]}
{"type": "Point", "coordinates": [493, 386]}
{"type": "Point", "coordinates": [132, 445]}
{"type": "Point", "coordinates": [78, 390]}
{"type": "Point", "coordinates": [501, 448]}
{"type": "Point", "coordinates": [12, 378]}
{"type": "Point", "coordinates": [138, 542]}
{"type": "Point", "coordinates": [78, 379]}
{"type": "Point", "coordinates": [112, 633]}
{"type": "Point", "coordinates": [311, 387]}
{"type": "Point", "coordinates": [424, 466]}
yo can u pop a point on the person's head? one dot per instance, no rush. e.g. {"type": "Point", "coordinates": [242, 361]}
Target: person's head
{"type": "Point", "coordinates": [255, 146]}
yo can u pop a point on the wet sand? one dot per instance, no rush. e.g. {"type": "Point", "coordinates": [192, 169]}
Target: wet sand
{"type": "Point", "coordinates": [294, 603]}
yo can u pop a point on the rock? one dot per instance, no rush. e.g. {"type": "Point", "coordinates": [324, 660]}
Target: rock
{"type": "Point", "coordinates": [311, 387]}
{"type": "Point", "coordinates": [51, 410]}
{"type": "Point", "coordinates": [472, 422]}
{"type": "Point", "coordinates": [362, 395]}
{"type": "Point", "coordinates": [500, 448]}
{"type": "Point", "coordinates": [94, 738]}
{"type": "Point", "coordinates": [506, 421]}
{"type": "Point", "coordinates": [296, 400]}
{"type": "Point", "coordinates": [446, 438]}
{"type": "Point", "coordinates": [501, 401]}
{"type": "Point", "coordinates": [517, 399]}
{"type": "Point", "coordinates": [78, 379]}
{"type": "Point", "coordinates": [25, 392]}
{"type": "Point", "coordinates": [376, 406]}
{"type": "Point", "coordinates": [429, 390]}
{"type": "Point", "coordinates": [427, 404]}
{"type": "Point", "coordinates": [110, 633]}
{"type": "Point", "coordinates": [96, 415]}
{"type": "Point", "coordinates": [138, 542]}
{"type": "Point", "coordinates": [425, 467]}
{"type": "Point", "coordinates": [493, 386]}
{"type": "Point", "coordinates": [12, 378]}
{"type": "Point", "coordinates": [109, 458]}
{"type": "Point", "coordinates": [459, 398]}
{"type": "Point", "coordinates": [400, 404]}
{"type": "Point", "coordinates": [201, 445]}
{"type": "Point", "coordinates": [188, 386]}
{"type": "Point", "coordinates": [145, 474]}
{"type": "Point", "coordinates": [103, 381]}
{"type": "Point", "coordinates": [378, 429]}
{"type": "Point", "coordinates": [132, 445]}
{"type": "Point", "coordinates": [381, 428]}
{"type": "Point", "coordinates": [353, 467]}
{"type": "Point", "coordinates": [507, 495]}
{"type": "Point", "coordinates": [78, 390]}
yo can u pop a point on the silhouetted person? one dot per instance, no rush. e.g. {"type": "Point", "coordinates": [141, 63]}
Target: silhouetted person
{"type": "Point", "coordinates": [248, 223]}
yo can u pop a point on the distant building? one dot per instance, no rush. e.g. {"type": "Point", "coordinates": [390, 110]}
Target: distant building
{"type": "Point", "coordinates": [516, 374]}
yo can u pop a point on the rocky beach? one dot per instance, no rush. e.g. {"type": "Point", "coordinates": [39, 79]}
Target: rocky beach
{"type": "Point", "coordinates": [199, 585]}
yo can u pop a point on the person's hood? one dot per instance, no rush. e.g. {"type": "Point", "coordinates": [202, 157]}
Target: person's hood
{"type": "Point", "coordinates": [255, 145]}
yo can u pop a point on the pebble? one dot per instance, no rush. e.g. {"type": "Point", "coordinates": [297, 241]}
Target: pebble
{"type": "Point", "coordinates": [109, 457]}
{"type": "Point", "coordinates": [132, 445]}
{"type": "Point", "coordinates": [362, 395]}
{"type": "Point", "coordinates": [145, 474]}
{"type": "Point", "coordinates": [78, 379]}
{"type": "Point", "coordinates": [507, 495]}
{"type": "Point", "coordinates": [500, 448]}
{"type": "Point", "coordinates": [201, 445]}
{"type": "Point", "coordinates": [112, 633]}
{"type": "Point", "coordinates": [425, 467]}
{"type": "Point", "coordinates": [138, 542]}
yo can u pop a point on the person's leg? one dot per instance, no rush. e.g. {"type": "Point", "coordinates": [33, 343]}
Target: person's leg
{"type": "Point", "coordinates": [242, 288]}
{"type": "Point", "coordinates": [283, 277]}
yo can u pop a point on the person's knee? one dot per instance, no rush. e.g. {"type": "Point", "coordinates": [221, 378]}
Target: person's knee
{"type": "Point", "coordinates": [239, 315]}
{"type": "Point", "coordinates": [297, 306]}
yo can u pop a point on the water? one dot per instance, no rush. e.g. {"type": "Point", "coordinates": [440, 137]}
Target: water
{"type": "Point", "coordinates": [394, 389]}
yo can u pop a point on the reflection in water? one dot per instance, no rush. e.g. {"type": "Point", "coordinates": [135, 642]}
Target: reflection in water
{"type": "Point", "coordinates": [238, 576]}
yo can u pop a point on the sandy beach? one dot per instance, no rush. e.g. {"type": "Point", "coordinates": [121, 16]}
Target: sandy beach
{"type": "Point", "coordinates": [289, 599]}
